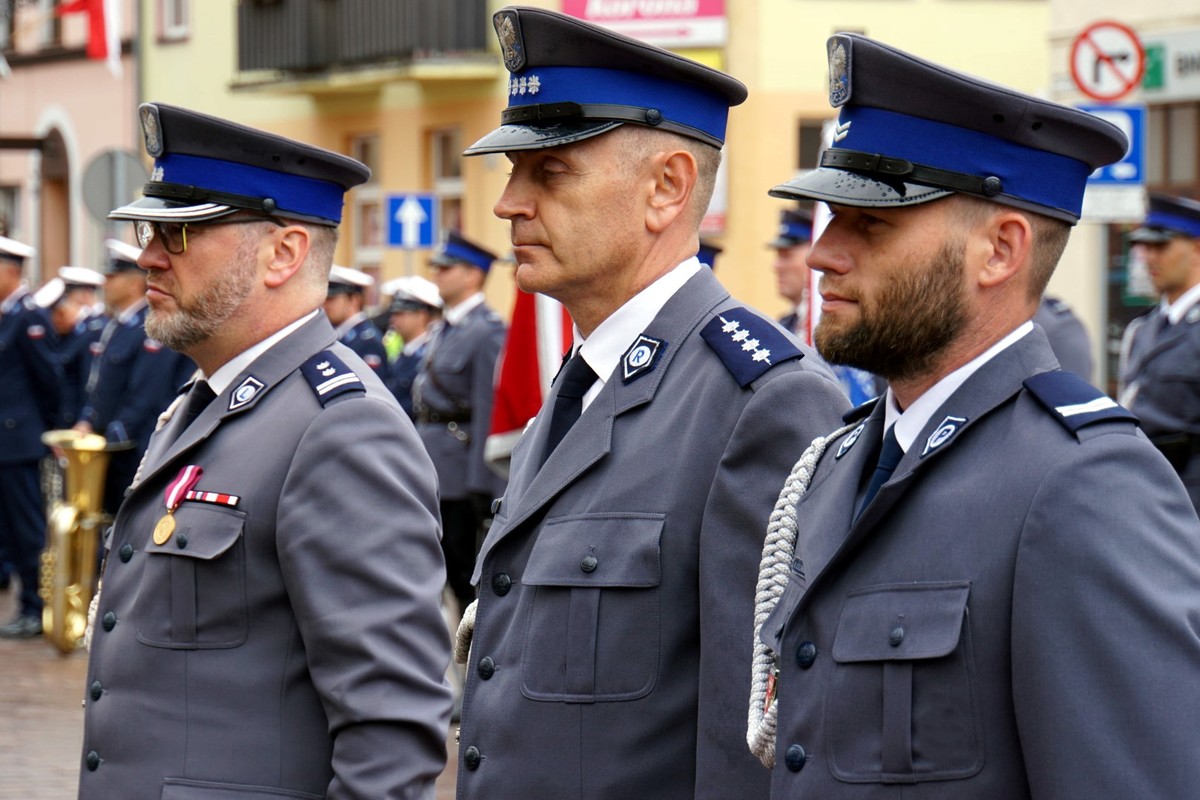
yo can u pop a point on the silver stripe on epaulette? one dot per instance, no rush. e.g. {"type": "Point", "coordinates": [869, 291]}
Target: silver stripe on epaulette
{"type": "Point", "coordinates": [1099, 404]}
{"type": "Point", "coordinates": [333, 383]}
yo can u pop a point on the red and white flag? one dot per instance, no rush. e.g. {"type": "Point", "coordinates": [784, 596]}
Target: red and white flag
{"type": "Point", "coordinates": [104, 29]}
{"type": "Point", "coordinates": [538, 335]}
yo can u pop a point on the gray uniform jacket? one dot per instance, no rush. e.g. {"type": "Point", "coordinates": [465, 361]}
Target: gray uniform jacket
{"type": "Point", "coordinates": [455, 386]}
{"type": "Point", "coordinates": [612, 642]}
{"type": "Point", "coordinates": [1013, 616]}
{"type": "Point", "coordinates": [1068, 338]}
{"type": "Point", "coordinates": [290, 646]}
{"type": "Point", "coordinates": [1161, 376]}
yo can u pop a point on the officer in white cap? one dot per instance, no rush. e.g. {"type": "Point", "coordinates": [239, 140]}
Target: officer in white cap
{"type": "Point", "coordinates": [993, 578]}
{"type": "Point", "coordinates": [69, 300]}
{"type": "Point", "coordinates": [344, 302]}
{"type": "Point", "coordinates": [30, 391]}
{"type": "Point", "coordinates": [415, 307]}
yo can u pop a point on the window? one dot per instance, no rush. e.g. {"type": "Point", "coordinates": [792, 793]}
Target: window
{"type": "Point", "coordinates": [10, 223]}
{"type": "Point", "coordinates": [174, 20]}
{"type": "Point", "coordinates": [446, 154]}
{"type": "Point", "coordinates": [1172, 147]}
{"type": "Point", "coordinates": [367, 207]}
{"type": "Point", "coordinates": [810, 143]}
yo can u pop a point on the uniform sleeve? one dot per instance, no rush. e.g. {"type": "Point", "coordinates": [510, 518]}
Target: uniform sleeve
{"type": "Point", "coordinates": [44, 366]}
{"type": "Point", "coordinates": [151, 387]}
{"type": "Point", "coordinates": [358, 545]}
{"type": "Point", "coordinates": [775, 427]}
{"type": "Point", "coordinates": [480, 479]}
{"type": "Point", "coordinates": [1106, 628]}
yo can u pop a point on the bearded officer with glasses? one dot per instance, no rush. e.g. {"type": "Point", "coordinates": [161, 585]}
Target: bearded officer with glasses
{"type": "Point", "coordinates": [268, 623]}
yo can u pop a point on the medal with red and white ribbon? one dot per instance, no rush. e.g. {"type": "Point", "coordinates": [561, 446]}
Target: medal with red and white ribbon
{"type": "Point", "coordinates": [177, 489]}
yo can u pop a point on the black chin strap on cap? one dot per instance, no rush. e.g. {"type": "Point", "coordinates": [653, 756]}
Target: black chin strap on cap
{"type": "Point", "coordinates": [896, 171]}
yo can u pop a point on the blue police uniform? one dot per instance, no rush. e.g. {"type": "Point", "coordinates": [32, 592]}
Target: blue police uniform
{"type": "Point", "coordinates": [411, 294]}
{"type": "Point", "coordinates": [1160, 364]}
{"type": "Point", "coordinates": [30, 386]}
{"type": "Point", "coordinates": [403, 371]}
{"type": "Point", "coordinates": [363, 338]}
{"type": "Point", "coordinates": [996, 598]}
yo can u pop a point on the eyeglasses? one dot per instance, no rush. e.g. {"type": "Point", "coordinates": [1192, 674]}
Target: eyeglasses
{"type": "Point", "coordinates": [174, 235]}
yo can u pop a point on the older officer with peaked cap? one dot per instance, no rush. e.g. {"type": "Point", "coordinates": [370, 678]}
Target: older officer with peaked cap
{"type": "Point", "coordinates": [132, 377]}
{"type": "Point", "coordinates": [415, 306]}
{"type": "Point", "coordinates": [612, 634]}
{"type": "Point", "coordinates": [996, 581]}
{"type": "Point", "coordinates": [268, 623]}
{"type": "Point", "coordinates": [30, 381]}
{"type": "Point", "coordinates": [452, 397]}
{"type": "Point", "coordinates": [344, 306]}
{"type": "Point", "coordinates": [1160, 364]}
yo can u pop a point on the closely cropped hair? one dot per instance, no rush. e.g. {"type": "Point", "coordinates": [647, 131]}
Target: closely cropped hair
{"type": "Point", "coordinates": [1049, 238]}
{"type": "Point", "coordinates": [644, 142]}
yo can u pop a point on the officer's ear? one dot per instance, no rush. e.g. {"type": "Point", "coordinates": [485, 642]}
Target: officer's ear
{"type": "Point", "coordinates": [675, 176]}
{"type": "Point", "coordinates": [1005, 242]}
{"type": "Point", "coordinates": [289, 250]}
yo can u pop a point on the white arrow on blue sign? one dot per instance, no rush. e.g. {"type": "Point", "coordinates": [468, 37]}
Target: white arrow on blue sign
{"type": "Point", "coordinates": [1130, 170]}
{"type": "Point", "coordinates": [412, 221]}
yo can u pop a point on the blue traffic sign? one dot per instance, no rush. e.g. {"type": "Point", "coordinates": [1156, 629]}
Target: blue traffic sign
{"type": "Point", "coordinates": [412, 221]}
{"type": "Point", "coordinates": [1129, 171]}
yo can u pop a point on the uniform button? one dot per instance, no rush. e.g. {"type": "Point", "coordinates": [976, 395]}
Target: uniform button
{"type": "Point", "coordinates": [501, 583]}
{"type": "Point", "coordinates": [109, 621]}
{"type": "Point", "coordinates": [472, 758]}
{"type": "Point", "coordinates": [181, 541]}
{"type": "Point", "coordinates": [93, 760]}
{"type": "Point", "coordinates": [126, 552]}
{"type": "Point", "coordinates": [486, 668]}
{"type": "Point", "coordinates": [896, 636]}
{"type": "Point", "coordinates": [589, 564]}
{"type": "Point", "coordinates": [97, 690]}
{"type": "Point", "coordinates": [496, 506]}
{"type": "Point", "coordinates": [794, 758]}
{"type": "Point", "coordinates": [806, 654]}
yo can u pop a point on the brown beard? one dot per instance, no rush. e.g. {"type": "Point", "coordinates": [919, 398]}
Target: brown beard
{"type": "Point", "coordinates": [901, 332]}
{"type": "Point", "coordinates": [197, 319]}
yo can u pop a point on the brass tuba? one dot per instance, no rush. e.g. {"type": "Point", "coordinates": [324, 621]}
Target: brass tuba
{"type": "Point", "coordinates": [68, 572]}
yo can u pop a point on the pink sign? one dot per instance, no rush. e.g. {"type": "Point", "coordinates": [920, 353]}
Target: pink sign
{"type": "Point", "coordinates": [668, 23]}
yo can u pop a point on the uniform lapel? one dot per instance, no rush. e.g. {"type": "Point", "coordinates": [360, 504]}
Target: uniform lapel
{"type": "Point", "coordinates": [268, 370]}
{"type": "Point", "coordinates": [1164, 341]}
{"type": "Point", "coordinates": [590, 439]}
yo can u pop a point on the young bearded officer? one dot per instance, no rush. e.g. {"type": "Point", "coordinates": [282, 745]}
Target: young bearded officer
{"type": "Point", "coordinates": [269, 622]}
{"type": "Point", "coordinates": [996, 585]}
{"type": "Point", "coordinates": [612, 639]}
{"type": "Point", "coordinates": [1161, 350]}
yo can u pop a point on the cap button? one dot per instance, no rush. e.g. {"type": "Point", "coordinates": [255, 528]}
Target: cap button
{"type": "Point", "coordinates": [992, 186]}
{"type": "Point", "coordinates": [653, 116]}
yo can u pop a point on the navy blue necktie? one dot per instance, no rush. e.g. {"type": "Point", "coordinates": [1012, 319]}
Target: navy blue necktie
{"type": "Point", "coordinates": [576, 378]}
{"type": "Point", "coordinates": [889, 456]}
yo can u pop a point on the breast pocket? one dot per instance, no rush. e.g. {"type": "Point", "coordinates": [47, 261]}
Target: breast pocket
{"type": "Point", "coordinates": [193, 592]}
{"type": "Point", "coordinates": [902, 704]}
{"type": "Point", "coordinates": [592, 630]}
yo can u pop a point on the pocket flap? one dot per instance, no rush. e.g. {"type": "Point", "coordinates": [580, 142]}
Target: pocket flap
{"type": "Point", "coordinates": [597, 550]}
{"type": "Point", "coordinates": [202, 531]}
{"type": "Point", "coordinates": [901, 622]}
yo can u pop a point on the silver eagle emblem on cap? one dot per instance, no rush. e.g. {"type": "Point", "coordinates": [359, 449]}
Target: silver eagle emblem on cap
{"type": "Point", "coordinates": [508, 31]}
{"type": "Point", "coordinates": [151, 131]}
{"type": "Point", "coordinates": [839, 71]}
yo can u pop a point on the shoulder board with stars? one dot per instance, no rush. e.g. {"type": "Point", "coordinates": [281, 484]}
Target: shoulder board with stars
{"type": "Point", "coordinates": [1074, 402]}
{"type": "Point", "coordinates": [747, 344]}
{"type": "Point", "coordinates": [329, 377]}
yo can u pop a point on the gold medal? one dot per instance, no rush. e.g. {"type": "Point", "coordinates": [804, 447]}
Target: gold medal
{"type": "Point", "coordinates": [164, 528]}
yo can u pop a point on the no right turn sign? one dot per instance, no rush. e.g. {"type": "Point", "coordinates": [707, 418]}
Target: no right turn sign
{"type": "Point", "coordinates": [1107, 61]}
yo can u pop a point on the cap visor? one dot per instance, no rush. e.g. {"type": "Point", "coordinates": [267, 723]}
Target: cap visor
{"type": "Point", "coordinates": [781, 243]}
{"type": "Point", "coordinates": [161, 210]}
{"type": "Point", "coordinates": [850, 189]}
{"type": "Point", "coordinates": [1151, 235]}
{"type": "Point", "coordinates": [507, 138]}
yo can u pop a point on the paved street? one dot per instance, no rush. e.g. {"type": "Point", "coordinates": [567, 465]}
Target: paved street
{"type": "Point", "coordinates": [41, 720]}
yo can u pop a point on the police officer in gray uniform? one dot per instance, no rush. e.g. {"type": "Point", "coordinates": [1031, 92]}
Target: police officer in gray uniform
{"type": "Point", "coordinates": [452, 397]}
{"type": "Point", "coordinates": [611, 643]}
{"type": "Point", "coordinates": [268, 623]}
{"type": "Point", "coordinates": [1068, 338]}
{"type": "Point", "coordinates": [996, 581]}
{"type": "Point", "coordinates": [1160, 363]}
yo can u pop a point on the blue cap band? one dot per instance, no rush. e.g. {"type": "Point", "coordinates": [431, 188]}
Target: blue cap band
{"type": "Point", "coordinates": [457, 251]}
{"type": "Point", "coordinates": [300, 195]}
{"type": "Point", "coordinates": [1157, 218]}
{"type": "Point", "coordinates": [1036, 176]}
{"type": "Point", "coordinates": [680, 103]}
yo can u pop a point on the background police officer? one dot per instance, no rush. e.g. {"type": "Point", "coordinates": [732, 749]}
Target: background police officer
{"type": "Point", "coordinates": [132, 377]}
{"type": "Point", "coordinates": [611, 648]}
{"type": "Point", "coordinates": [1068, 338]}
{"type": "Point", "coordinates": [415, 306]}
{"type": "Point", "coordinates": [344, 307]}
{"type": "Point", "coordinates": [453, 400]}
{"type": "Point", "coordinates": [68, 301]}
{"type": "Point", "coordinates": [30, 384]}
{"type": "Point", "coordinates": [1161, 350]}
{"type": "Point", "coordinates": [996, 577]}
